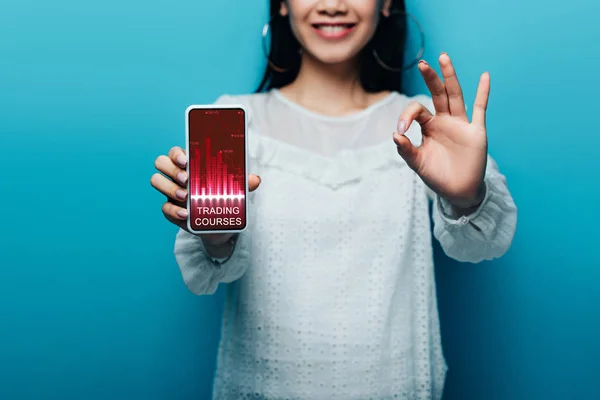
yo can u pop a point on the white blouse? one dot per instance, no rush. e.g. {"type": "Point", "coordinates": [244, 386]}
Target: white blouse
{"type": "Point", "coordinates": [333, 293]}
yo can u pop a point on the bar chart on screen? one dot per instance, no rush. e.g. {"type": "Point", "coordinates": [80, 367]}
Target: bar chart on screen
{"type": "Point", "coordinates": [220, 178]}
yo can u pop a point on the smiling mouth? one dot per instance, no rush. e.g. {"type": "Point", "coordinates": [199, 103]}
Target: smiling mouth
{"type": "Point", "coordinates": [333, 31]}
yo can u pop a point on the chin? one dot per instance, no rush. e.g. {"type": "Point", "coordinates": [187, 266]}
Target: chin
{"type": "Point", "coordinates": [333, 57]}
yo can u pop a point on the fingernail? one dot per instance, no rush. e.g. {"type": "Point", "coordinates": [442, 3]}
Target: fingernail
{"type": "Point", "coordinates": [182, 213]}
{"type": "Point", "coordinates": [259, 178]}
{"type": "Point", "coordinates": [181, 160]}
{"type": "Point", "coordinates": [181, 177]}
{"type": "Point", "coordinates": [423, 62]}
{"type": "Point", "coordinates": [180, 194]}
{"type": "Point", "coordinates": [402, 127]}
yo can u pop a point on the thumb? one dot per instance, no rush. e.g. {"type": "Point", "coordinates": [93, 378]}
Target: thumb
{"type": "Point", "coordinates": [407, 150]}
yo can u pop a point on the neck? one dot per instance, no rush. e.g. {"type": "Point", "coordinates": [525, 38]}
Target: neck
{"type": "Point", "coordinates": [332, 89]}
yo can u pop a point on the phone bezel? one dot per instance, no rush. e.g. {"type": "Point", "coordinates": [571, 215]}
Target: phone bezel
{"type": "Point", "coordinates": [187, 167]}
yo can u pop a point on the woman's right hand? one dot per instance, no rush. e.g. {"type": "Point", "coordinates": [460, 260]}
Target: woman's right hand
{"type": "Point", "coordinates": [173, 185]}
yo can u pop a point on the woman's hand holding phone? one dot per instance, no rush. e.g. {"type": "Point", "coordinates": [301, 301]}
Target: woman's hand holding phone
{"type": "Point", "coordinates": [172, 182]}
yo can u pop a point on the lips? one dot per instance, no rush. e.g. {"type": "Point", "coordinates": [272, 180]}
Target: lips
{"type": "Point", "coordinates": [333, 31]}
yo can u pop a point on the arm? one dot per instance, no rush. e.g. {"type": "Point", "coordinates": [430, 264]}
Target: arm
{"type": "Point", "coordinates": [452, 160]}
{"type": "Point", "coordinates": [482, 233]}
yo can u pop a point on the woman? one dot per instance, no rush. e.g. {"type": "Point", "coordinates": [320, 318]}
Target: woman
{"type": "Point", "coordinates": [335, 293]}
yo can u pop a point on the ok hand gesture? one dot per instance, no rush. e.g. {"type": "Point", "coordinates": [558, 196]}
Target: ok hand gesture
{"type": "Point", "coordinates": [453, 156]}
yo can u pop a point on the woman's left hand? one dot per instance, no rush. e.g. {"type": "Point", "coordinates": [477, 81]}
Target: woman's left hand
{"type": "Point", "coordinates": [452, 157]}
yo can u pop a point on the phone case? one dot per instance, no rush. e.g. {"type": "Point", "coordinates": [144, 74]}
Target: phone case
{"type": "Point", "coordinates": [189, 201]}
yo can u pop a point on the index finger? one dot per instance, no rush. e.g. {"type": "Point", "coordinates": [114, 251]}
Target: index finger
{"type": "Point", "coordinates": [177, 155]}
{"type": "Point", "coordinates": [413, 112]}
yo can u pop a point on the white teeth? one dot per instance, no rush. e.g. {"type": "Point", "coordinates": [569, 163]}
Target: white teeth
{"type": "Point", "coordinates": [332, 28]}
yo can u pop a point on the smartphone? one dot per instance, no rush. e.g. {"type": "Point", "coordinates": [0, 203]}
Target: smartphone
{"type": "Point", "coordinates": [216, 145]}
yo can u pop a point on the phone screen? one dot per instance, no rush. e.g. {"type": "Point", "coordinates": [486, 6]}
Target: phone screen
{"type": "Point", "coordinates": [217, 169]}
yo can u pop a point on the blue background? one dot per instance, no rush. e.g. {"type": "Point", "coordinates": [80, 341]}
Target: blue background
{"type": "Point", "coordinates": [91, 301]}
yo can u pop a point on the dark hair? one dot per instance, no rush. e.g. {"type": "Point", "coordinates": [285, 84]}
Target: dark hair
{"type": "Point", "coordinates": [389, 41]}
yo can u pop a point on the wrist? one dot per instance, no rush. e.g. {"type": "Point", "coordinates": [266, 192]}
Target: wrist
{"type": "Point", "coordinates": [216, 240]}
{"type": "Point", "coordinates": [472, 201]}
{"type": "Point", "coordinates": [469, 206]}
{"type": "Point", "coordinates": [221, 247]}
